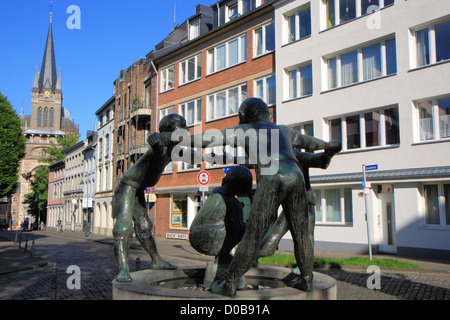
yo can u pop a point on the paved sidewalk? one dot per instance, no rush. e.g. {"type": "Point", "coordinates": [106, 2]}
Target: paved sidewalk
{"type": "Point", "coordinates": [429, 283]}
{"type": "Point", "coordinates": [14, 259]}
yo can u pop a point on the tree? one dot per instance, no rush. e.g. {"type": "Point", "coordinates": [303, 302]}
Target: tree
{"type": "Point", "coordinates": [56, 151]}
{"type": "Point", "coordinates": [37, 199]}
{"type": "Point", "coordinates": [12, 147]}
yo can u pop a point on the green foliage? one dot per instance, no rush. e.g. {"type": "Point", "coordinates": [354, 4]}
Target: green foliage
{"type": "Point", "coordinates": [37, 199]}
{"type": "Point", "coordinates": [56, 151]}
{"type": "Point", "coordinates": [12, 147]}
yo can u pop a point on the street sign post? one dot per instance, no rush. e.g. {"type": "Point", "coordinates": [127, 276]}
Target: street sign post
{"type": "Point", "coordinates": [366, 186]}
{"type": "Point", "coordinates": [203, 178]}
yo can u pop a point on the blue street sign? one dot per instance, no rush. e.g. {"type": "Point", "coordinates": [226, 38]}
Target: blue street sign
{"type": "Point", "coordinates": [226, 169]}
{"type": "Point", "coordinates": [372, 167]}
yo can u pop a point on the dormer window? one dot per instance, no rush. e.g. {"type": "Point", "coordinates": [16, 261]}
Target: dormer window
{"type": "Point", "coordinates": [194, 29]}
{"type": "Point", "coordinates": [232, 10]}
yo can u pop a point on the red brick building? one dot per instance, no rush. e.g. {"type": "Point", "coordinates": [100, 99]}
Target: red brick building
{"type": "Point", "coordinates": [55, 202]}
{"type": "Point", "coordinates": [224, 54]}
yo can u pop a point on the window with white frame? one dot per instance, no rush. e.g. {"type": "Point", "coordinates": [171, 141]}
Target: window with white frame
{"type": "Point", "coordinates": [377, 128]}
{"type": "Point", "coordinates": [191, 69]}
{"type": "Point", "coordinates": [298, 25]}
{"type": "Point", "coordinates": [300, 83]}
{"type": "Point", "coordinates": [227, 54]}
{"type": "Point", "coordinates": [265, 89]}
{"type": "Point", "coordinates": [185, 166]}
{"type": "Point", "coordinates": [234, 9]}
{"type": "Point", "coordinates": [436, 204]}
{"type": "Point", "coordinates": [363, 64]}
{"type": "Point", "coordinates": [192, 111]}
{"type": "Point", "coordinates": [238, 152]}
{"type": "Point", "coordinates": [433, 119]}
{"type": "Point", "coordinates": [305, 128]}
{"type": "Point", "coordinates": [165, 112]}
{"type": "Point", "coordinates": [264, 39]}
{"type": "Point", "coordinates": [168, 78]}
{"type": "Point", "coordinates": [194, 28]}
{"type": "Point", "coordinates": [432, 44]}
{"type": "Point", "coordinates": [340, 11]}
{"type": "Point", "coordinates": [334, 205]}
{"type": "Point", "coordinates": [226, 102]}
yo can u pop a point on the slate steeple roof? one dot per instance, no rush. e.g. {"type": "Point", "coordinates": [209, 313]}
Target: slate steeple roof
{"type": "Point", "coordinates": [48, 77]}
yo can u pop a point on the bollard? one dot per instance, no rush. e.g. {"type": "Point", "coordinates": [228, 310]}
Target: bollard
{"type": "Point", "coordinates": [53, 285]}
{"type": "Point", "coordinates": [32, 248]}
{"type": "Point", "coordinates": [26, 244]}
{"type": "Point", "coordinates": [17, 235]}
{"type": "Point", "coordinates": [138, 264]}
{"type": "Point", "coordinates": [20, 239]}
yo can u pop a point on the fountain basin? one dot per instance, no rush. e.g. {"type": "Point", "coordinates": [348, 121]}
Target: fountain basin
{"type": "Point", "coordinates": [263, 283]}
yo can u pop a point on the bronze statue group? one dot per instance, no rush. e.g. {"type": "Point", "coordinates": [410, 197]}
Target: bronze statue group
{"type": "Point", "coordinates": [282, 177]}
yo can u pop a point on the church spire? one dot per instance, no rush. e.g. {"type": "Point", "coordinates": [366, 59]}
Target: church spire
{"type": "Point", "coordinates": [47, 79]}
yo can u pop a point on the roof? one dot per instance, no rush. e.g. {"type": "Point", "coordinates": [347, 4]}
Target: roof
{"type": "Point", "coordinates": [48, 77]}
{"type": "Point", "coordinates": [45, 131]}
{"type": "Point", "coordinates": [107, 103]}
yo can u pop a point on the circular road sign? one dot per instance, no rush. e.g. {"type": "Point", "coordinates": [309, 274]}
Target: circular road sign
{"type": "Point", "coordinates": [203, 178]}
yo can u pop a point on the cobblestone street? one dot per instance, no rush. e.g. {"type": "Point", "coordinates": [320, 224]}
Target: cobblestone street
{"type": "Point", "coordinates": [98, 268]}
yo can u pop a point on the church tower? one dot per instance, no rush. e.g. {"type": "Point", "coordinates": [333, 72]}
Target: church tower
{"type": "Point", "coordinates": [46, 103]}
{"type": "Point", "coordinates": [48, 120]}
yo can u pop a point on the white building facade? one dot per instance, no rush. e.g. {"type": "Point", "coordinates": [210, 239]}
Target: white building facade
{"type": "Point", "coordinates": [88, 181]}
{"type": "Point", "coordinates": [102, 220]}
{"type": "Point", "coordinates": [375, 76]}
{"type": "Point", "coordinates": [73, 187]}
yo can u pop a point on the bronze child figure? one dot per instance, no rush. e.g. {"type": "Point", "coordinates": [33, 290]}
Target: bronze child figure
{"type": "Point", "coordinates": [129, 200]}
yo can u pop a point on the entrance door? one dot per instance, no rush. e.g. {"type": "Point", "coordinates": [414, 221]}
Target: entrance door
{"type": "Point", "coordinates": [388, 243]}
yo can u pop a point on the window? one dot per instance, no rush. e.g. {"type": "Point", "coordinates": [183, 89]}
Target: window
{"type": "Point", "coordinates": [52, 114]}
{"type": "Point", "coordinates": [238, 152]}
{"type": "Point", "coordinates": [39, 118]}
{"type": "Point", "coordinates": [45, 117]}
{"type": "Point", "coordinates": [166, 112]}
{"type": "Point", "coordinates": [298, 25]}
{"type": "Point", "coordinates": [264, 39]}
{"type": "Point", "coordinates": [433, 44]}
{"type": "Point", "coordinates": [183, 166]}
{"type": "Point", "coordinates": [305, 129]}
{"type": "Point", "coordinates": [191, 69]}
{"type": "Point", "coordinates": [370, 129]}
{"type": "Point", "coordinates": [334, 205]}
{"type": "Point", "coordinates": [434, 119]}
{"type": "Point", "coordinates": [239, 7]}
{"type": "Point", "coordinates": [265, 89]}
{"type": "Point", "coordinates": [300, 81]}
{"type": "Point", "coordinates": [363, 64]}
{"type": "Point", "coordinates": [194, 29]}
{"type": "Point", "coordinates": [340, 11]}
{"type": "Point", "coordinates": [179, 211]}
{"type": "Point", "coordinates": [107, 146]}
{"type": "Point", "coordinates": [226, 103]}
{"type": "Point", "coordinates": [192, 112]}
{"type": "Point", "coordinates": [227, 54]}
{"type": "Point", "coordinates": [232, 11]}
{"type": "Point", "coordinates": [168, 78]}
{"type": "Point", "coordinates": [436, 198]}
{"type": "Point", "coordinates": [148, 96]}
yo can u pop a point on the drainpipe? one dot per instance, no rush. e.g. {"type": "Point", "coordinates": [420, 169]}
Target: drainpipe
{"type": "Point", "coordinates": [157, 94]}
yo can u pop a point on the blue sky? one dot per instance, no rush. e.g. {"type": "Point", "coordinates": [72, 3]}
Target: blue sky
{"type": "Point", "coordinates": [113, 34]}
